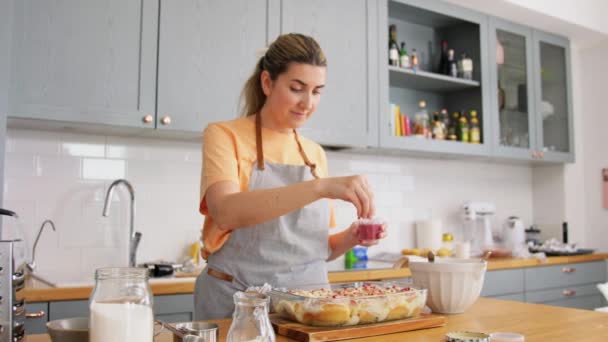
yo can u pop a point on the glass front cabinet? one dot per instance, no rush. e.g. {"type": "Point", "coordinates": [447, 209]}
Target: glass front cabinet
{"type": "Point", "coordinates": [531, 101]}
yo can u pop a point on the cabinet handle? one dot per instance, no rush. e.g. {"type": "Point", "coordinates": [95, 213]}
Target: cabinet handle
{"type": "Point", "coordinates": [568, 293]}
{"type": "Point", "coordinates": [165, 120]}
{"type": "Point", "coordinates": [568, 269]}
{"type": "Point", "coordinates": [38, 314]}
{"type": "Point", "coordinates": [147, 119]}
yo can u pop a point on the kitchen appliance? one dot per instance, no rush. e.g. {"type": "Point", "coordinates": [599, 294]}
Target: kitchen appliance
{"type": "Point", "coordinates": [477, 229]}
{"type": "Point", "coordinates": [13, 258]}
{"type": "Point", "coordinates": [514, 236]}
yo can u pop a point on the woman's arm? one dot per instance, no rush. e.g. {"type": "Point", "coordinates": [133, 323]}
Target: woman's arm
{"type": "Point", "coordinates": [232, 209]}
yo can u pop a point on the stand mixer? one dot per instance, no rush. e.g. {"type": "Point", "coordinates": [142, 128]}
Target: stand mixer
{"type": "Point", "coordinates": [477, 229]}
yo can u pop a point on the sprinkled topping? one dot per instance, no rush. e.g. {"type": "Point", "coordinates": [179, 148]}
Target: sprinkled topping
{"type": "Point", "coordinates": [365, 290]}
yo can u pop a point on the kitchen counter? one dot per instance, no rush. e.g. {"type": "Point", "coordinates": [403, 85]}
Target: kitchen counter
{"type": "Point", "coordinates": [537, 322]}
{"type": "Point", "coordinates": [37, 291]}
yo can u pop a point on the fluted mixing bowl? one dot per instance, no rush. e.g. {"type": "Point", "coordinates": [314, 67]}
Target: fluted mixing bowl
{"type": "Point", "coordinates": [453, 284]}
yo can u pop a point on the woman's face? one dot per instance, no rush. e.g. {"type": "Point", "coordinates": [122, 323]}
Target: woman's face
{"type": "Point", "coordinates": [293, 96]}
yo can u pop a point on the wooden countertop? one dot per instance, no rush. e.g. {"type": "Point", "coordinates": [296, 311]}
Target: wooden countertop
{"type": "Point", "coordinates": [535, 321]}
{"type": "Point", "coordinates": [36, 291]}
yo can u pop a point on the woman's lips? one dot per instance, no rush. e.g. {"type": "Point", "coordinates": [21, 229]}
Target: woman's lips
{"type": "Point", "coordinates": [298, 115]}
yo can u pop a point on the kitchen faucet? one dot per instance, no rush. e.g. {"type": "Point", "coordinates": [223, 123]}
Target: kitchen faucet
{"type": "Point", "coordinates": [32, 264]}
{"type": "Point", "coordinates": [134, 237]}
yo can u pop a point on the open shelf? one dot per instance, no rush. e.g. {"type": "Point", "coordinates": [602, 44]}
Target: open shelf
{"type": "Point", "coordinates": [427, 81]}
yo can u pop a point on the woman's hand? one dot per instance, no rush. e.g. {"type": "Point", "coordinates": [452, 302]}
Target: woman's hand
{"type": "Point", "coordinates": [353, 189]}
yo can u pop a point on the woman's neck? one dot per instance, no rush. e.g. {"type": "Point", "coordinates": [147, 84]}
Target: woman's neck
{"type": "Point", "coordinates": [269, 122]}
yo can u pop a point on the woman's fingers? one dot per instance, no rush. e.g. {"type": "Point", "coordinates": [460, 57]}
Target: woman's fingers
{"type": "Point", "coordinates": [354, 199]}
{"type": "Point", "coordinates": [364, 200]}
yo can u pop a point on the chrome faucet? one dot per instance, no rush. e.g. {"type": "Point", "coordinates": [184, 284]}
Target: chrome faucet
{"type": "Point", "coordinates": [134, 237]}
{"type": "Point", "coordinates": [32, 264]}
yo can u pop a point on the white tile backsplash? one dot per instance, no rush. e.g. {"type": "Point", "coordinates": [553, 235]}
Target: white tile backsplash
{"type": "Point", "coordinates": [64, 177]}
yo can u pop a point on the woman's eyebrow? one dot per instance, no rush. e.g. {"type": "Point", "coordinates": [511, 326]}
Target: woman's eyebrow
{"type": "Point", "coordinates": [304, 83]}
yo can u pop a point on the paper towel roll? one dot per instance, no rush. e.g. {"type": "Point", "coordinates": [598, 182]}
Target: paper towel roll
{"type": "Point", "coordinates": [428, 234]}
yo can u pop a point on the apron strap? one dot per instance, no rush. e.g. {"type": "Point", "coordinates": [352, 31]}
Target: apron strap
{"type": "Point", "coordinates": [260, 148]}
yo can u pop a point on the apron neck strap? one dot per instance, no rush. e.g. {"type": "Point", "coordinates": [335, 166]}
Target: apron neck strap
{"type": "Point", "coordinates": [260, 147]}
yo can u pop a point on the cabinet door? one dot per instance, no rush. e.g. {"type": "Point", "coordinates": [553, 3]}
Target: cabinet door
{"type": "Point", "coordinates": [36, 324]}
{"type": "Point", "coordinates": [84, 61]}
{"type": "Point", "coordinates": [341, 28]}
{"type": "Point", "coordinates": [207, 50]}
{"type": "Point", "coordinates": [512, 89]}
{"type": "Point", "coordinates": [68, 309]}
{"type": "Point", "coordinates": [554, 100]}
{"type": "Point", "coordinates": [174, 308]}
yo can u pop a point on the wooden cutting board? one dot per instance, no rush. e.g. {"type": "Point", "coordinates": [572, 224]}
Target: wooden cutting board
{"type": "Point", "coordinates": [306, 333]}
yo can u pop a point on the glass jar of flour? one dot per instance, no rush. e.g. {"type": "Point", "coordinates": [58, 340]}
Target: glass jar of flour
{"type": "Point", "coordinates": [121, 306]}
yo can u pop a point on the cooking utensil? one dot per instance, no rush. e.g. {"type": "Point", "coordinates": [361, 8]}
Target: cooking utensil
{"type": "Point", "coordinates": [204, 332]}
{"type": "Point", "coordinates": [69, 330]}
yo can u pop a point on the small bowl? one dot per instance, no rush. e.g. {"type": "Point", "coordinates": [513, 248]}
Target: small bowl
{"type": "Point", "coordinates": [69, 330]}
{"type": "Point", "coordinates": [453, 284]}
{"type": "Point", "coordinates": [369, 229]}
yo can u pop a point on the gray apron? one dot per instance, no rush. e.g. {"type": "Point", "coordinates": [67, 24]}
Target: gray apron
{"type": "Point", "coordinates": [288, 251]}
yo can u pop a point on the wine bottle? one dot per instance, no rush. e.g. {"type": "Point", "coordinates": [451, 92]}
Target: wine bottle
{"type": "Point", "coordinates": [444, 67]}
{"type": "Point", "coordinates": [404, 59]}
{"type": "Point", "coordinates": [393, 48]}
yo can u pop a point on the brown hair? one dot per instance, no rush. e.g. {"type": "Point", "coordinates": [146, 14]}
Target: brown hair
{"type": "Point", "coordinates": [287, 48]}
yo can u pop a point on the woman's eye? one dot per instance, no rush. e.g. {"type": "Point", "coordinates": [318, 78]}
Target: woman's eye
{"type": "Point", "coordinates": [295, 89]}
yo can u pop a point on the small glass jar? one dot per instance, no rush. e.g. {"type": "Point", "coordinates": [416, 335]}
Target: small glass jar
{"type": "Point", "coordinates": [121, 306]}
{"type": "Point", "coordinates": [250, 322]}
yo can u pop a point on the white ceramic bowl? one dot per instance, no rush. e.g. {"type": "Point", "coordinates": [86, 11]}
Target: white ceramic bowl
{"type": "Point", "coordinates": [453, 284]}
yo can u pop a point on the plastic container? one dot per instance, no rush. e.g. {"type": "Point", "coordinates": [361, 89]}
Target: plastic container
{"type": "Point", "coordinates": [346, 304]}
{"type": "Point", "coordinates": [369, 229]}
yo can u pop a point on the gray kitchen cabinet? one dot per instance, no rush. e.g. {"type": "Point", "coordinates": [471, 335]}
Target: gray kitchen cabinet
{"type": "Point", "coordinates": [422, 25]}
{"type": "Point", "coordinates": [207, 50]}
{"type": "Point", "coordinates": [553, 88]}
{"type": "Point", "coordinates": [511, 82]}
{"type": "Point", "coordinates": [68, 309]}
{"type": "Point", "coordinates": [346, 31]}
{"type": "Point", "coordinates": [84, 61]}
{"type": "Point", "coordinates": [169, 308]}
{"type": "Point", "coordinates": [504, 283]}
{"type": "Point", "coordinates": [545, 277]}
{"type": "Point", "coordinates": [37, 324]}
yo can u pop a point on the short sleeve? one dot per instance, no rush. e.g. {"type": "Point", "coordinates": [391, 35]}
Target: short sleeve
{"type": "Point", "coordinates": [219, 160]}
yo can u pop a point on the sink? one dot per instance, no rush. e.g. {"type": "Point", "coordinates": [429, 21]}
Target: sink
{"type": "Point", "coordinates": [83, 280]}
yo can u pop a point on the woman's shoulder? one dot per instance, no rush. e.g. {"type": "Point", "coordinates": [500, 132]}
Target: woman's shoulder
{"type": "Point", "coordinates": [235, 125]}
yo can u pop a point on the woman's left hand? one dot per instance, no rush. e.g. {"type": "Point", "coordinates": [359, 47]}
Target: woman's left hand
{"type": "Point", "coordinates": [354, 235]}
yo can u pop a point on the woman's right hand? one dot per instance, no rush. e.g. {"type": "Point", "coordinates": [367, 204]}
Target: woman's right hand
{"type": "Point", "coordinates": [353, 189]}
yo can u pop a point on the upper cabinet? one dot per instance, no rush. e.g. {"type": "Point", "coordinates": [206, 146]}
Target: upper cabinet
{"type": "Point", "coordinates": [347, 111]}
{"type": "Point", "coordinates": [422, 29]}
{"type": "Point", "coordinates": [553, 82]}
{"type": "Point", "coordinates": [85, 61]}
{"type": "Point", "coordinates": [207, 50]}
{"type": "Point", "coordinates": [512, 83]}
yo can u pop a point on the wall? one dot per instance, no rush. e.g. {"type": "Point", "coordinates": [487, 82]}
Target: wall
{"type": "Point", "coordinates": [64, 176]}
{"type": "Point", "coordinates": [6, 9]}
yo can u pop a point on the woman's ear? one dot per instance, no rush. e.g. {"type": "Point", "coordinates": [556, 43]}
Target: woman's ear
{"type": "Point", "coordinates": [266, 82]}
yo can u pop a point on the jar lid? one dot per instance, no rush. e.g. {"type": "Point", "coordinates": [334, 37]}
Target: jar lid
{"type": "Point", "coordinates": [447, 237]}
{"type": "Point", "coordinates": [507, 337]}
{"type": "Point", "coordinates": [467, 336]}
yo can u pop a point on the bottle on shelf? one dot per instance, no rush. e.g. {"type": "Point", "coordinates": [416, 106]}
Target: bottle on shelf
{"type": "Point", "coordinates": [393, 48]}
{"type": "Point", "coordinates": [438, 131]}
{"type": "Point", "coordinates": [444, 67]}
{"type": "Point", "coordinates": [475, 129]}
{"type": "Point", "coordinates": [465, 67]}
{"type": "Point", "coordinates": [464, 128]}
{"type": "Point", "coordinates": [414, 60]}
{"type": "Point", "coordinates": [421, 121]}
{"type": "Point", "coordinates": [454, 130]}
{"type": "Point", "coordinates": [404, 59]}
{"type": "Point", "coordinates": [444, 117]}
{"type": "Point", "coordinates": [453, 67]}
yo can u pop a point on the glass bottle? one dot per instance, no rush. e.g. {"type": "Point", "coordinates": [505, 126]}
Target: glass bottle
{"type": "Point", "coordinates": [475, 129]}
{"type": "Point", "coordinates": [250, 322]}
{"type": "Point", "coordinates": [421, 121]}
{"type": "Point", "coordinates": [444, 117]}
{"type": "Point", "coordinates": [414, 60]}
{"type": "Point", "coordinates": [404, 59]}
{"type": "Point", "coordinates": [444, 67]}
{"type": "Point", "coordinates": [447, 242]}
{"type": "Point", "coordinates": [454, 129]}
{"type": "Point", "coordinates": [464, 129]}
{"type": "Point", "coordinates": [121, 306]}
{"type": "Point", "coordinates": [453, 67]}
{"type": "Point", "coordinates": [393, 48]}
{"type": "Point", "coordinates": [465, 66]}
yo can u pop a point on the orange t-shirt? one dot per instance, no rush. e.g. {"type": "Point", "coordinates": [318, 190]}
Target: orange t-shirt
{"type": "Point", "coordinates": [229, 154]}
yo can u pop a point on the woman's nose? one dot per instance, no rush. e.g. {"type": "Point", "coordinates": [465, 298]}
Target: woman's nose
{"type": "Point", "coordinates": [307, 101]}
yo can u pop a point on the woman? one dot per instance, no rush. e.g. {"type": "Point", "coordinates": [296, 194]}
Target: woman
{"type": "Point", "coordinates": [264, 190]}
